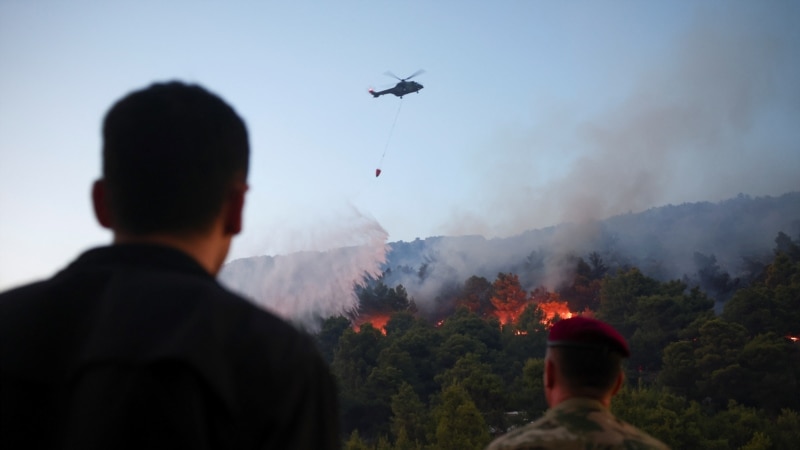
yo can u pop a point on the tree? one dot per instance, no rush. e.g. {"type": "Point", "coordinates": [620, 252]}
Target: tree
{"type": "Point", "coordinates": [459, 424]}
{"type": "Point", "coordinates": [660, 318]}
{"type": "Point", "coordinates": [533, 376]}
{"type": "Point", "coordinates": [668, 417]}
{"type": "Point", "coordinates": [328, 336]}
{"type": "Point", "coordinates": [533, 268]}
{"type": "Point", "coordinates": [355, 442]}
{"type": "Point", "coordinates": [353, 362]}
{"type": "Point", "coordinates": [737, 425]}
{"type": "Point", "coordinates": [784, 244]}
{"type": "Point", "coordinates": [679, 371]}
{"type": "Point", "coordinates": [785, 430]}
{"type": "Point", "coordinates": [470, 324]}
{"type": "Point", "coordinates": [583, 289]}
{"type": "Point", "coordinates": [398, 298]}
{"type": "Point", "coordinates": [457, 346]}
{"type": "Point", "coordinates": [357, 355]}
{"type": "Point", "coordinates": [397, 358]}
{"type": "Point", "coordinates": [619, 299]}
{"type": "Point", "coordinates": [484, 387]}
{"type": "Point", "coordinates": [378, 298]}
{"type": "Point", "coordinates": [649, 313]}
{"type": "Point", "coordinates": [423, 272]}
{"type": "Point", "coordinates": [399, 323]}
{"type": "Point", "coordinates": [771, 303]}
{"type": "Point", "coordinates": [508, 297]}
{"type": "Point", "coordinates": [712, 279]}
{"type": "Point", "coordinates": [524, 339]}
{"type": "Point", "coordinates": [383, 443]}
{"type": "Point", "coordinates": [420, 344]}
{"type": "Point", "coordinates": [376, 407]}
{"type": "Point", "coordinates": [760, 441]}
{"type": "Point", "coordinates": [476, 296]}
{"type": "Point", "coordinates": [598, 268]}
{"type": "Point", "coordinates": [719, 345]}
{"type": "Point", "coordinates": [410, 419]}
{"type": "Point", "coordinates": [531, 322]}
{"type": "Point", "coordinates": [770, 364]}
{"type": "Point", "coordinates": [755, 308]}
{"type": "Point", "coordinates": [403, 442]}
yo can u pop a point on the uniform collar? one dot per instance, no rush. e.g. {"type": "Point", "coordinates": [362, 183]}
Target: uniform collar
{"type": "Point", "coordinates": [576, 403]}
{"type": "Point", "coordinates": [151, 256]}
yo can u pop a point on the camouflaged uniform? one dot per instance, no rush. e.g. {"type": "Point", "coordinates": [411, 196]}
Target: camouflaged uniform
{"type": "Point", "coordinates": [580, 424]}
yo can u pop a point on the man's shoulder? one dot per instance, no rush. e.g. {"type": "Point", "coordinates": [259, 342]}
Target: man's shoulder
{"type": "Point", "coordinates": [22, 301]}
{"type": "Point", "coordinates": [544, 433]}
{"type": "Point", "coordinates": [577, 427]}
{"type": "Point", "coordinates": [110, 297]}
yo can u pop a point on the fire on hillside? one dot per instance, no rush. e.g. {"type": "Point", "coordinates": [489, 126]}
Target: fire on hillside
{"type": "Point", "coordinates": [550, 310]}
{"type": "Point", "coordinates": [553, 309]}
{"type": "Point", "coordinates": [378, 322]}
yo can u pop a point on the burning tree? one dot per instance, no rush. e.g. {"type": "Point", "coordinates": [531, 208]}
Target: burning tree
{"type": "Point", "coordinates": [377, 302]}
{"type": "Point", "coordinates": [476, 295]}
{"type": "Point", "coordinates": [552, 306]}
{"type": "Point", "coordinates": [508, 297]}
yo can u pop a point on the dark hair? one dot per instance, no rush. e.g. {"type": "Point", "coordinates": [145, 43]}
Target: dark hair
{"type": "Point", "coordinates": [588, 369]}
{"type": "Point", "coordinates": [170, 153]}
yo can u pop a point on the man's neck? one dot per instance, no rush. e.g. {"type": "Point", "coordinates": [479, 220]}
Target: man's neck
{"type": "Point", "coordinates": [561, 395]}
{"type": "Point", "coordinates": [207, 250]}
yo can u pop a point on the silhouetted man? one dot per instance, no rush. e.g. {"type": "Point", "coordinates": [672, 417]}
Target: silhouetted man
{"type": "Point", "coordinates": [582, 373]}
{"type": "Point", "coordinates": [136, 345]}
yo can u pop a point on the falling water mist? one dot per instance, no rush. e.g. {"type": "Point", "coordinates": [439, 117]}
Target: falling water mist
{"type": "Point", "coordinates": [314, 284]}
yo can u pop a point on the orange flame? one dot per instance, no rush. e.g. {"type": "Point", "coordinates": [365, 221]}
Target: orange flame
{"type": "Point", "coordinates": [551, 309]}
{"type": "Point", "coordinates": [378, 322]}
{"type": "Point", "coordinates": [508, 315]}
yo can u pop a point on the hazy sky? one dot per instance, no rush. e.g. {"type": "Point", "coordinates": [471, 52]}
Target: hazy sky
{"type": "Point", "coordinates": [533, 112]}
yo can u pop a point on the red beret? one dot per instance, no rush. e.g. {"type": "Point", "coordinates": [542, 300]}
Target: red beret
{"type": "Point", "coordinates": [584, 331]}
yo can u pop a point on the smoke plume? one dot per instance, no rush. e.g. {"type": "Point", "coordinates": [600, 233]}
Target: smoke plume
{"type": "Point", "coordinates": [314, 284]}
{"type": "Point", "coordinates": [711, 118]}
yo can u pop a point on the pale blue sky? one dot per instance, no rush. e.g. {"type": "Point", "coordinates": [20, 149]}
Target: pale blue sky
{"type": "Point", "coordinates": [533, 112]}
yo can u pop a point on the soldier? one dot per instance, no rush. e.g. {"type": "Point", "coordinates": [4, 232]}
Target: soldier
{"type": "Point", "coordinates": [583, 371]}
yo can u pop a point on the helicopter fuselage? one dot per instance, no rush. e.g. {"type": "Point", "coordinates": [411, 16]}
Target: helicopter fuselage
{"type": "Point", "coordinates": [400, 89]}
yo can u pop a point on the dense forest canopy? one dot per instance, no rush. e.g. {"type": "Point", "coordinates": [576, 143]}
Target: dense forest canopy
{"type": "Point", "coordinates": [469, 367]}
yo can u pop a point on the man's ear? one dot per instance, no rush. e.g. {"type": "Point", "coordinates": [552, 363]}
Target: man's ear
{"type": "Point", "coordinates": [234, 209]}
{"type": "Point", "coordinates": [618, 385]}
{"type": "Point", "coordinates": [549, 373]}
{"type": "Point", "coordinates": [100, 204]}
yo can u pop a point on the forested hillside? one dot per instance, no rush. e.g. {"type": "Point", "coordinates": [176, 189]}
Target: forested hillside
{"type": "Point", "coordinates": [713, 245]}
{"type": "Point", "coordinates": [718, 247]}
{"type": "Point", "coordinates": [469, 367]}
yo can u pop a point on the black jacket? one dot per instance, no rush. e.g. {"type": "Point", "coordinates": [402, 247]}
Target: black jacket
{"type": "Point", "coordinates": [135, 346]}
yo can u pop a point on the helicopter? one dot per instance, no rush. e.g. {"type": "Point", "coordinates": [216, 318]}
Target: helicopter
{"type": "Point", "coordinates": [402, 88]}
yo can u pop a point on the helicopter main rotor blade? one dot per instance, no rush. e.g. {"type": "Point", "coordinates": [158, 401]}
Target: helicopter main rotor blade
{"type": "Point", "coordinates": [387, 73]}
{"type": "Point", "coordinates": [419, 72]}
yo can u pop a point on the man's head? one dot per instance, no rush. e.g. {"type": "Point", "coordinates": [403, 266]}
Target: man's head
{"type": "Point", "coordinates": [172, 152]}
{"type": "Point", "coordinates": [584, 359]}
